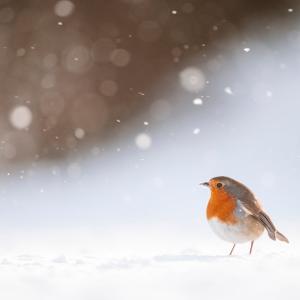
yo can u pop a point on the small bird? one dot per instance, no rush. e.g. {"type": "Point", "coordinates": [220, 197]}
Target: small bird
{"type": "Point", "coordinates": [235, 214]}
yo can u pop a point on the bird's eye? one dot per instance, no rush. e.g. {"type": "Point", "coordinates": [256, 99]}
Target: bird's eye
{"type": "Point", "coordinates": [219, 185]}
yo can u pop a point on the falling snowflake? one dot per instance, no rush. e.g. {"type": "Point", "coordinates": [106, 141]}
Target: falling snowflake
{"type": "Point", "coordinates": [192, 79]}
{"type": "Point", "coordinates": [79, 133]}
{"type": "Point", "coordinates": [21, 117]}
{"type": "Point", "coordinates": [269, 94]}
{"type": "Point", "coordinates": [196, 131]}
{"type": "Point", "coordinates": [198, 101]}
{"type": "Point", "coordinates": [64, 8]}
{"type": "Point", "coordinates": [143, 141]}
{"type": "Point", "coordinates": [228, 90]}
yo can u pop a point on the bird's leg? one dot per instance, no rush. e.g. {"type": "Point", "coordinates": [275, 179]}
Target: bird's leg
{"type": "Point", "coordinates": [232, 250]}
{"type": "Point", "coordinates": [251, 247]}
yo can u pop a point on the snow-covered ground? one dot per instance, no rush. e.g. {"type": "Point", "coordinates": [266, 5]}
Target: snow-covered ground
{"type": "Point", "coordinates": [205, 272]}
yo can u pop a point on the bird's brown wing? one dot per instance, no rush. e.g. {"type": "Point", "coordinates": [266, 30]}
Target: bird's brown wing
{"type": "Point", "coordinates": [252, 207]}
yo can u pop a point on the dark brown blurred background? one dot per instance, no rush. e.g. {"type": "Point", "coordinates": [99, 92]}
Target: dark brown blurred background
{"type": "Point", "coordinates": [73, 72]}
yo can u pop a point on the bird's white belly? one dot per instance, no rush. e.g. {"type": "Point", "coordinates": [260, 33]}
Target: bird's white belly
{"type": "Point", "coordinates": [240, 232]}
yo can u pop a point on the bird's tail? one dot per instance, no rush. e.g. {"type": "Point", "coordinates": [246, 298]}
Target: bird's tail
{"type": "Point", "coordinates": [279, 236]}
{"type": "Point", "coordinates": [273, 233]}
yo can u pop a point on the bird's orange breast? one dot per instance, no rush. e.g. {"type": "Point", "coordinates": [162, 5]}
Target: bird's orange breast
{"type": "Point", "coordinates": [221, 205]}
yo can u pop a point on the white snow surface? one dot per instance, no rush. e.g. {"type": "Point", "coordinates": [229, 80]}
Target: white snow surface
{"type": "Point", "coordinates": [206, 272]}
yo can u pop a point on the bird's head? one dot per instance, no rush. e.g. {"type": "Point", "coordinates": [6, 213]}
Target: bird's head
{"type": "Point", "coordinates": [223, 184]}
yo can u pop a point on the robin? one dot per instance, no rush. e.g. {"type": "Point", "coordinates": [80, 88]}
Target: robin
{"type": "Point", "coordinates": [235, 214]}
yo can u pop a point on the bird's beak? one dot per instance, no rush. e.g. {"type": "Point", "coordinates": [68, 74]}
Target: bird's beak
{"type": "Point", "coordinates": [204, 183]}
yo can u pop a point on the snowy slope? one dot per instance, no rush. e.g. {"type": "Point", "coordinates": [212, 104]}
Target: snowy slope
{"type": "Point", "coordinates": [185, 274]}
